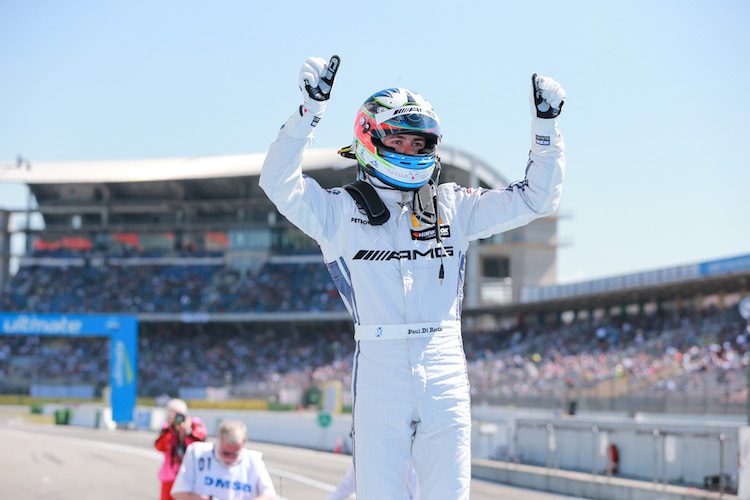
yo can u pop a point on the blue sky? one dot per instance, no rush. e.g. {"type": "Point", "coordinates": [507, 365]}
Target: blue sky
{"type": "Point", "coordinates": [656, 122]}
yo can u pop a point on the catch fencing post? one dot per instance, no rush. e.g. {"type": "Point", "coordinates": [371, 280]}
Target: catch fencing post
{"type": "Point", "coordinates": [594, 434]}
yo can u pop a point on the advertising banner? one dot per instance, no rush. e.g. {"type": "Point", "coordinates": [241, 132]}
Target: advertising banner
{"type": "Point", "coordinates": [122, 332]}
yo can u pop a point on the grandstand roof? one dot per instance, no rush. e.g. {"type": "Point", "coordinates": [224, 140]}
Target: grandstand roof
{"type": "Point", "coordinates": [206, 186]}
{"type": "Point", "coordinates": [686, 283]}
{"type": "Point", "coordinates": [206, 167]}
{"type": "Point", "coordinates": [155, 169]}
{"type": "Point", "coordinates": [123, 194]}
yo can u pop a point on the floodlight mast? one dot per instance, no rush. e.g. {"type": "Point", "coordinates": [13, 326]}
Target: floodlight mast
{"type": "Point", "coordinates": [20, 163]}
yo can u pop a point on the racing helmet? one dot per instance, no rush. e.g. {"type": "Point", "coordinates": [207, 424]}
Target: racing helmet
{"type": "Point", "coordinates": [396, 111]}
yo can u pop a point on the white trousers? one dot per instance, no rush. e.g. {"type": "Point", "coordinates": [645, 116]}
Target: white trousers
{"type": "Point", "coordinates": [411, 401]}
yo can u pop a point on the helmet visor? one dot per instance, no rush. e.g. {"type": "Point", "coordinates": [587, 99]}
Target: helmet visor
{"type": "Point", "coordinates": [406, 120]}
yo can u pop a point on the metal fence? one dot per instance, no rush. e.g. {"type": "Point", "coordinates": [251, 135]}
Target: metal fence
{"type": "Point", "coordinates": [699, 455]}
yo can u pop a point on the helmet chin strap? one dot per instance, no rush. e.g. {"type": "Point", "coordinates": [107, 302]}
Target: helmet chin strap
{"type": "Point", "coordinates": [425, 207]}
{"type": "Point", "coordinates": [438, 237]}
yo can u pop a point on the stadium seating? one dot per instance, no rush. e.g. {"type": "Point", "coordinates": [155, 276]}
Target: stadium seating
{"type": "Point", "coordinates": [649, 355]}
{"type": "Point", "coordinates": [683, 354]}
{"type": "Point", "coordinates": [128, 287]}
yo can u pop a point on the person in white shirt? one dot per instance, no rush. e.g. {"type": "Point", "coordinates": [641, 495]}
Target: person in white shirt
{"type": "Point", "coordinates": [224, 470]}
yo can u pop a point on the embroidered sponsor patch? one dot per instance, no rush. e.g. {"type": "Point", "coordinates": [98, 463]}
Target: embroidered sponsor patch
{"type": "Point", "coordinates": [429, 233]}
{"type": "Point", "coordinates": [386, 255]}
{"type": "Point", "coordinates": [543, 140]}
{"type": "Point", "coordinates": [417, 331]}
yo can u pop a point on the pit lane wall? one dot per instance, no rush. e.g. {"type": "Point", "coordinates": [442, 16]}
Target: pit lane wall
{"type": "Point", "coordinates": [692, 451]}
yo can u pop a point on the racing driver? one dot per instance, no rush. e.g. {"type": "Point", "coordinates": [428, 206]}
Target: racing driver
{"type": "Point", "coordinates": [395, 244]}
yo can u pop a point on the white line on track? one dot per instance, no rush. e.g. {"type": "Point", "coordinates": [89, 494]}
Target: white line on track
{"type": "Point", "coordinates": [153, 454]}
{"type": "Point", "coordinates": [134, 450]}
{"type": "Point", "coordinates": [302, 479]}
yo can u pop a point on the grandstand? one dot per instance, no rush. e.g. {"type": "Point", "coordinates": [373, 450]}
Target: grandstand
{"type": "Point", "coordinates": [190, 207]}
{"type": "Point", "coordinates": [232, 299]}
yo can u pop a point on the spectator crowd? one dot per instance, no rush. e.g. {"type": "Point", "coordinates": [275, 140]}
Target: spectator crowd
{"type": "Point", "coordinates": [681, 351]}
{"type": "Point", "coordinates": [132, 286]}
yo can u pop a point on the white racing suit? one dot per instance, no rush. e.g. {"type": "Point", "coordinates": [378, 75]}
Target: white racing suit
{"type": "Point", "coordinates": [347, 487]}
{"type": "Point", "coordinates": [409, 383]}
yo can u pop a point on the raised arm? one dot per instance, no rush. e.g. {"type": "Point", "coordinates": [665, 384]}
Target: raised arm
{"type": "Point", "coordinates": [299, 198]}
